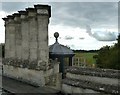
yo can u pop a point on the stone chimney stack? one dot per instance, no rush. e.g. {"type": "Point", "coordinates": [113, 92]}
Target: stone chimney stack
{"type": "Point", "coordinates": [26, 47]}
{"type": "Point", "coordinates": [27, 35]}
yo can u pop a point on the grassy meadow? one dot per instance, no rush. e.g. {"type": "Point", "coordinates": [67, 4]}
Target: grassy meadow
{"type": "Point", "coordinates": [88, 57]}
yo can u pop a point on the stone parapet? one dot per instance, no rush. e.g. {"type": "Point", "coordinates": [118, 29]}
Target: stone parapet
{"type": "Point", "coordinates": [110, 73]}
{"type": "Point", "coordinates": [91, 80]}
{"type": "Point", "coordinates": [86, 86]}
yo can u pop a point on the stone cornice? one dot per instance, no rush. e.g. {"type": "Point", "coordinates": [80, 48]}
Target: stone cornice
{"type": "Point", "coordinates": [42, 9]}
{"type": "Point", "coordinates": [16, 15]}
{"type": "Point", "coordinates": [5, 19]}
{"type": "Point", "coordinates": [16, 18]}
{"type": "Point", "coordinates": [23, 12]}
{"type": "Point", "coordinates": [31, 12]}
{"type": "Point", "coordinates": [10, 17]}
{"type": "Point", "coordinates": [30, 9]}
{"type": "Point", "coordinates": [24, 15]}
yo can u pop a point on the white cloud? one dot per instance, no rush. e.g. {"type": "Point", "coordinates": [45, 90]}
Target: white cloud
{"type": "Point", "coordinates": [2, 28]}
{"type": "Point", "coordinates": [87, 44]}
{"type": "Point", "coordinates": [70, 19]}
{"type": "Point", "coordinates": [102, 35]}
{"type": "Point", "coordinates": [68, 37]}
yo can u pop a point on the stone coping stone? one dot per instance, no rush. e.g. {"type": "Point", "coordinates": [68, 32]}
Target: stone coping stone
{"type": "Point", "coordinates": [22, 12]}
{"type": "Point", "coordinates": [30, 9]}
{"type": "Point", "coordinates": [5, 19]}
{"type": "Point", "coordinates": [110, 89]}
{"type": "Point", "coordinates": [39, 6]}
{"type": "Point", "coordinates": [16, 15]}
{"type": "Point", "coordinates": [10, 17]}
{"type": "Point", "coordinates": [110, 73]}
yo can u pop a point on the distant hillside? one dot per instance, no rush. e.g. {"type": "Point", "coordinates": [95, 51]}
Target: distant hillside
{"type": "Point", "coordinates": [85, 51]}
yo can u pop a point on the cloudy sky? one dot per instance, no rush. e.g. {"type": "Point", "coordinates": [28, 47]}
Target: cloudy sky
{"type": "Point", "coordinates": [88, 25]}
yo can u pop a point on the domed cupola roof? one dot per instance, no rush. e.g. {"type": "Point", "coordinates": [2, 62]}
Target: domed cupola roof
{"type": "Point", "coordinates": [58, 49]}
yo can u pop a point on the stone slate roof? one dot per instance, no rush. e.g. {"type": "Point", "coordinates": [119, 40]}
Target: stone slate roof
{"type": "Point", "coordinates": [59, 49]}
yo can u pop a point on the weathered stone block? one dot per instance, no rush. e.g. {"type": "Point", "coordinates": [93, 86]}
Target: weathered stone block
{"type": "Point", "coordinates": [30, 75]}
{"type": "Point", "coordinates": [66, 88]}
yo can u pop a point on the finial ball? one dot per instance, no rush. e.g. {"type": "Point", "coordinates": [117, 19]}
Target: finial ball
{"type": "Point", "coordinates": [56, 35]}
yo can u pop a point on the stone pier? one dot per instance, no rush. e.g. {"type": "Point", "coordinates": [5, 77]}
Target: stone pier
{"type": "Point", "coordinates": [25, 35]}
{"type": "Point", "coordinates": [18, 36]}
{"type": "Point", "coordinates": [32, 33]}
{"type": "Point", "coordinates": [11, 30]}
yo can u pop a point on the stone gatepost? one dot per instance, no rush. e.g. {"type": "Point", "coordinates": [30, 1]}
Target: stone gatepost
{"type": "Point", "coordinates": [11, 30]}
{"type": "Point", "coordinates": [43, 15]}
{"type": "Point", "coordinates": [25, 35]}
{"type": "Point", "coordinates": [18, 36]}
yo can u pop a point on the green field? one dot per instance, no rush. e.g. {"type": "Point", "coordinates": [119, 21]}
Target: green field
{"type": "Point", "coordinates": [88, 57]}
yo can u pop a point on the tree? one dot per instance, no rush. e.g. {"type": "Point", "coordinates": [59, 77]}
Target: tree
{"type": "Point", "coordinates": [108, 56]}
